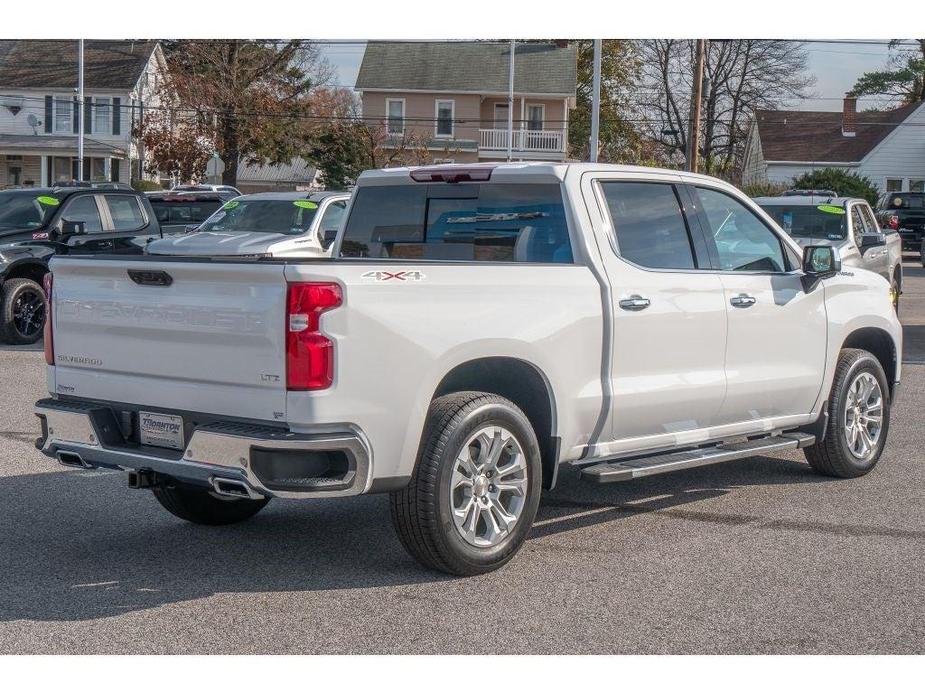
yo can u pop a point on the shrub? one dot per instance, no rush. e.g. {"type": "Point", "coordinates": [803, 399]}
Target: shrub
{"type": "Point", "coordinates": [764, 189]}
{"type": "Point", "coordinates": [846, 184]}
{"type": "Point", "coordinates": [142, 185]}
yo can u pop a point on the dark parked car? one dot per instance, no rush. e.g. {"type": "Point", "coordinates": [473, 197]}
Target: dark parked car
{"type": "Point", "coordinates": [177, 212]}
{"type": "Point", "coordinates": [904, 212]}
{"type": "Point", "coordinates": [37, 223]}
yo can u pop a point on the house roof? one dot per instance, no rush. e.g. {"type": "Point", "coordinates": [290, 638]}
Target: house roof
{"type": "Point", "coordinates": [816, 136]}
{"type": "Point", "coordinates": [53, 64]}
{"type": "Point", "coordinates": [296, 171]}
{"type": "Point", "coordinates": [468, 66]}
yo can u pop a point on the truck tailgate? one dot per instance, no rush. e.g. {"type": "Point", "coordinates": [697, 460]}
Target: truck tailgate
{"type": "Point", "coordinates": [212, 341]}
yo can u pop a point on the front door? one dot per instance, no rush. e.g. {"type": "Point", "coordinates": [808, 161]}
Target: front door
{"type": "Point", "coordinates": [776, 341]}
{"type": "Point", "coordinates": [669, 318]}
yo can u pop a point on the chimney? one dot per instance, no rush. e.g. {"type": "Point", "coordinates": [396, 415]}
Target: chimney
{"type": "Point", "coordinates": [849, 117]}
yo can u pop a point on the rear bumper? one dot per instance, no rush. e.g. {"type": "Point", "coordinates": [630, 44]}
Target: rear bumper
{"type": "Point", "coordinates": [270, 462]}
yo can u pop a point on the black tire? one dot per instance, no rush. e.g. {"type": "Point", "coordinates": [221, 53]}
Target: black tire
{"type": "Point", "coordinates": [200, 505]}
{"type": "Point", "coordinates": [832, 455]}
{"type": "Point", "coordinates": [22, 311]}
{"type": "Point", "coordinates": [895, 292]}
{"type": "Point", "coordinates": [422, 511]}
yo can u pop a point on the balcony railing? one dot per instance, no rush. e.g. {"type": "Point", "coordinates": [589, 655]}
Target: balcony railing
{"type": "Point", "coordinates": [524, 140]}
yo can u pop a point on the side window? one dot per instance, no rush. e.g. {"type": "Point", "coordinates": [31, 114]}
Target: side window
{"type": "Point", "coordinates": [84, 209]}
{"type": "Point", "coordinates": [649, 224]}
{"type": "Point", "coordinates": [857, 224]}
{"type": "Point", "coordinates": [869, 219]}
{"type": "Point", "coordinates": [333, 215]}
{"type": "Point", "coordinates": [125, 212]}
{"type": "Point", "coordinates": [743, 242]}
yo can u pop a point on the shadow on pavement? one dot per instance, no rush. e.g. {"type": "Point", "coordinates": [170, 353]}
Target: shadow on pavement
{"type": "Point", "coordinates": [81, 545]}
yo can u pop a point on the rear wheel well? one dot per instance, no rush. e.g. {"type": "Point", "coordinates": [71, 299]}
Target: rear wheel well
{"type": "Point", "coordinates": [521, 383]}
{"type": "Point", "coordinates": [898, 275]}
{"type": "Point", "coordinates": [879, 343]}
{"type": "Point", "coordinates": [30, 271]}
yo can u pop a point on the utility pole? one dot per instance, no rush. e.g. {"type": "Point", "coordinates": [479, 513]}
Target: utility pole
{"type": "Point", "coordinates": [596, 103]}
{"type": "Point", "coordinates": [510, 107]}
{"type": "Point", "coordinates": [694, 138]}
{"type": "Point", "coordinates": [80, 112]}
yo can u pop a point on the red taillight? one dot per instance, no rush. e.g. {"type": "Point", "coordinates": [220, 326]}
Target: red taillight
{"type": "Point", "coordinates": [309, 353]}
{"type": "Point", "coordinates": [893, 221]}
{"type": "Point", "coordinates": [48, 336]}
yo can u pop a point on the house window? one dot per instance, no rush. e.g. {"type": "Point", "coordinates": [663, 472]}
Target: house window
{"type": "Point", "coordinates": [536, 115]}
{"type": "Point", "coordinates": [501, 111]}
{"type": "Point", "coordinates": [102, 115]}
{"type": "Point", "coordinates": [444, 110]}
{"type": "Point", "coordinates": [64, 115]}
{"type": "Point", "coordinates": [916, 185]}
{"type": "Point", "coordinates": [894, 185]}
{"type": "Point", "coordinates": [395, 124]}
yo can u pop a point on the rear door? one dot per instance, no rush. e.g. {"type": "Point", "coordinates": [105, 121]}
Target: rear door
{"type": "Point", "coordinates": [190, 336]}
{"type": "Point", "coordinates": [775, 348]}
{"type": "Point", "coordinates": [668, 314]}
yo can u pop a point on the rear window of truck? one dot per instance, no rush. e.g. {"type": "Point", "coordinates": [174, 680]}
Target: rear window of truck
{"type": "Point", "coordinates": [489, 222]}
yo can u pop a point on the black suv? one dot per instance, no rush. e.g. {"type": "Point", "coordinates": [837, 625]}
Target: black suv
{"type": "Point", "coordinates": [904, 212]}
{"type": "Point", "coordinates": [37, 223]}
{"type": "Point", "coordinates": [179, 211]}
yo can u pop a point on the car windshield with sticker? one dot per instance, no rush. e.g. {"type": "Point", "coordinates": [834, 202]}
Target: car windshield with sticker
{"type": "Point", "coordinates": [263, 216]}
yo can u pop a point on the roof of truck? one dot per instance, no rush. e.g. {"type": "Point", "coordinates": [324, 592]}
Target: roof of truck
{"type": "Point", "coordinates": [295, 195]}
{"type": "Point", "coordinates": [796, 200]}
{"type": "Point", "coordinates": [534, 168]}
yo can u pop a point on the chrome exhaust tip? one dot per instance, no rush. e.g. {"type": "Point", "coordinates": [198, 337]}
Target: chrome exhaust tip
{"type": "Point", "coordinates": [231, 488]}
{"type": "Point", "coordinates": [72, 460]}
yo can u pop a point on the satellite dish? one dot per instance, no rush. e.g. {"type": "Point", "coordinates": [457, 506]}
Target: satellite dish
{"type": "Point", "coordinates": [33, 122]}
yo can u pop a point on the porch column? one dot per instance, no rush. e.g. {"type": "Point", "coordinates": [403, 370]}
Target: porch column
{"type": "Point", "coordinates": [565, 125]}
{"type": "Point", "coordinates": [43, 177]}
{"type": "Point", "coordinates": [523, 122]}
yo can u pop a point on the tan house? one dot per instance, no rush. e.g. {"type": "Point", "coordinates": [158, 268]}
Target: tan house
{"type": "Point", "coordinates": [452, 97]}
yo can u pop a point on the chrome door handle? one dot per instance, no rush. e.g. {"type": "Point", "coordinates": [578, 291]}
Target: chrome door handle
{"type": "Point", "coordinates": [634, 303]}
{"type": "Point", "coordinates": [742, 301]}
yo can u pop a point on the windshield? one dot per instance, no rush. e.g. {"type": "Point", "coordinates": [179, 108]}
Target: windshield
{"type": "Point", "coordinates": [810, 221]}
{"type": "Point", "coordinates": [183, 211]}
{"type": "Point", "coordinates": [23, 209]}
{"type": "Point", "coordinates": [267, 216]}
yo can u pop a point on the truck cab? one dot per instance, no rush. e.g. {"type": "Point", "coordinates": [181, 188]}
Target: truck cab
{"type": "Point", "coordinates": [39, 223]}
{"type": "Point", "coordinates": [847, 224]}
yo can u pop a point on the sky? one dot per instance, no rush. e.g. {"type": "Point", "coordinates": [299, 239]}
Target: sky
{"type": "Point", "coordinates": [836, 66]}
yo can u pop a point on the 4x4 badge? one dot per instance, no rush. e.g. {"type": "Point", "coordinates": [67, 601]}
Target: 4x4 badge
{"type": "Point", "coordinates": [401, 275]}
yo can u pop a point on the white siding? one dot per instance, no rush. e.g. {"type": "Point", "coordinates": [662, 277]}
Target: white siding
{"type": "Point", "coordinates": [900, 155]}
{"type": "Point", "coordinates": [785, 173]}
{"type": "Point", "coordinates": [754, 169]}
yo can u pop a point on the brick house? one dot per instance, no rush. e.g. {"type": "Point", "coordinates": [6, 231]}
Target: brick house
{"type": "Point", "coordinates": [39, 109]}
{"type": "Point", "coordinates": [454, 96]}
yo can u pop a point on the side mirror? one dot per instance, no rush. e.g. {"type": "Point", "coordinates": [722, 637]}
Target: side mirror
{"type": "Point", "coordinates": [70, 228]}
{"type": "Point", "coordinates": [328, 236]}
{"type": "Point", "coordinates": [819, 263]}
{"type": "Point", "coordinates": [871, 241]}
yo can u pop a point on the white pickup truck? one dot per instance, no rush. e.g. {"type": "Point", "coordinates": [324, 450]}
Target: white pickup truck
{"type": "Point", "coordinates": [477, 328]}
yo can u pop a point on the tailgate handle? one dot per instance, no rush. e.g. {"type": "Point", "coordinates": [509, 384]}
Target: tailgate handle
{"type": "Point", "coordinates": [152, 278]}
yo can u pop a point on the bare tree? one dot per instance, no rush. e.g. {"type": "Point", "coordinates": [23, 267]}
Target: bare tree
{"type": "Point", "coordinates": [741, 75]}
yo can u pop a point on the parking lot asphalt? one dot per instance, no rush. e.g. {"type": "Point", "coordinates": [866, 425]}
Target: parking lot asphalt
{"type": "Point", "coordinates": [754, 556]}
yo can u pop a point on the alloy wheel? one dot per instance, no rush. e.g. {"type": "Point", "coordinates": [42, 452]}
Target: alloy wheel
{"type": "Point", "coordinates": [488, 487]}
{"type": "Point", "coordinates": [863, 414]}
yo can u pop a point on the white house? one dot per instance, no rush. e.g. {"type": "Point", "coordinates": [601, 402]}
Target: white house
{"type": "Point", "coordinates": [888, 147]}
{"type": "Point", "coordinates": [39, 108]}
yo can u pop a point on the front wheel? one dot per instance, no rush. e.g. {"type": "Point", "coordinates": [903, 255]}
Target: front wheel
{"type": "Point", "coordinates": [202, 506]}
{"type": "Point", "coordinates": [859, 418]}
{"type": "Point", "coordinates": [23, 308]}
{"type": "Point", "coordinates": [476, 488]}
